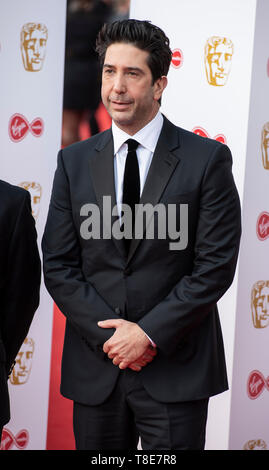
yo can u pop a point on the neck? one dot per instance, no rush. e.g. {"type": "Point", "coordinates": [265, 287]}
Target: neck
{"type": "Point", "coordinates": [132, 130]}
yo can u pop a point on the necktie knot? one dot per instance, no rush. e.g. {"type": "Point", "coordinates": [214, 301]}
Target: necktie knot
{"type": "Point", "coordinates": [132, 144]}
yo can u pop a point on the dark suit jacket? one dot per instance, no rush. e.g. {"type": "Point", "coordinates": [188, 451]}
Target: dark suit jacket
{"type": "Point", "coordinates": [20, 273]}
{"type": "Point", "coordinates": [172, 295]}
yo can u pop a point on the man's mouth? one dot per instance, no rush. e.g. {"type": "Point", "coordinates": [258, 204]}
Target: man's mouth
{"type": "Point", "coordinates": [120, 104]}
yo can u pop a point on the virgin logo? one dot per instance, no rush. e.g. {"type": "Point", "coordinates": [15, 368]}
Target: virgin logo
{"type": "Point", "coordinates": [18, 127]}
{"type": "Point", "coordinates": [200, 131]}
{"type": "Point", "coordinates": [9, 440]}
{"type": "Point", "coordinates": [256, 384]}
{"type": "Point", "coordinates": [177, 58]}
{"type": "Point", "coordinates": [262, 227]}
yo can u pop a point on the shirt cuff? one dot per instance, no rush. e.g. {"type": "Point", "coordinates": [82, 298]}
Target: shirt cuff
{"type": "Point", "coordinates": [152, 342]}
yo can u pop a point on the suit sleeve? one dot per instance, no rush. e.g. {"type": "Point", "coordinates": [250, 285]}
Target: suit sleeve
{"type": "Point", "coordinates": [21, 294]}
{"type": "Point", "coordinates": [76, 298]}
{"type": "Point", "coordinates": [216, 251]}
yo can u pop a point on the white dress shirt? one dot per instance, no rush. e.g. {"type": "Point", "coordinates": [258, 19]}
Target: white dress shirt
{"type": "Point", "coordinates": [147, 137]}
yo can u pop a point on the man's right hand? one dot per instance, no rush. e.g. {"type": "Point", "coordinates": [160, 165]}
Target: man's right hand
{"type": "Point", "coordinates": [143, 360]}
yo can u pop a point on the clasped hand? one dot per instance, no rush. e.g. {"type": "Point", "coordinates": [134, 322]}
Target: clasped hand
{"type": "Point", "coordinates": [128, 346]}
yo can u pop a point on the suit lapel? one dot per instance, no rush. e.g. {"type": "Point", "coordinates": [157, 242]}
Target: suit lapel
{"type": "Point", "coordinates": [161, 169]}
{"type": "Point", "coordinates": [163, 164]}
{"type": "Point", "coordinates": [102, 171]}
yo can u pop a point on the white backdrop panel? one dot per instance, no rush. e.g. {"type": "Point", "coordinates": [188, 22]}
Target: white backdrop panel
{"type": "Point", "coordinates": [190, 101]}
{"type": "Point", "coordinates": [32, 89]}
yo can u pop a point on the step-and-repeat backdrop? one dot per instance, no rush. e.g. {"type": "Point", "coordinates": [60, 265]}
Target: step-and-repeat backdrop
{"type": "Point", "coordinates": [218, 88]}
{"type": "Point", "coordinates": [32, 40]}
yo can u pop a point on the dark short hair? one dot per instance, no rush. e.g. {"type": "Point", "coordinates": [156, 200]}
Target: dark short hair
{"type": "Point", "coordinates": [141, 34]}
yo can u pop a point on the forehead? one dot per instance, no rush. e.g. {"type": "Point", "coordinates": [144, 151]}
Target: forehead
{"type": "Point", "coordinates": [126, 55]}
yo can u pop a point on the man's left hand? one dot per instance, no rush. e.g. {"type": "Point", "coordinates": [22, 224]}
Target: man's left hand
{"type": "Point", "coordinates": [127, 344]}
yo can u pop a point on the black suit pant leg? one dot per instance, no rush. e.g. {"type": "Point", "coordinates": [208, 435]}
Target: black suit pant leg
{"type": "Point", "coordinates": [130, 412]}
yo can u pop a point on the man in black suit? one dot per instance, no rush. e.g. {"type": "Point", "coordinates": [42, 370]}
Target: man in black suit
{"type": "Point", "coordinates": [143, 348]}
{"type": "Point", "coordinates": [20, 273]}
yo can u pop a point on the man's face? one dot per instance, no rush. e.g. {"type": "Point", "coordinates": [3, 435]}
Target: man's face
{"type": "Point", "coordinates": [127, 90]}
{"type": "Point", "coordinates": [261, 307]}
{"type": "Point", "coordinates": [219, 61]}
{"type": "Point", "coordinates": [34, 50]}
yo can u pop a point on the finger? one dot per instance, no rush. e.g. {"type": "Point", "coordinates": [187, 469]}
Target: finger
{"type": "Point", "coordinates": [116, 361]}
{"type": "Point", "coordinates": [123, 365]}
{"type": "Point", "coordinates": [106, 347]}
{"type": "Point", "coordinates": [135, 367]}
{"type": "Point", "coordinates": [113, 323]}
{"type": "Point", "coordinates": [147, 359]}
{"type": "Point", "coordinates": [151, 350]}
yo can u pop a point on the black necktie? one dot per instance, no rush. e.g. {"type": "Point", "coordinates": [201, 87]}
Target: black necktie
{"type": "Point", "coordinates": [131, 182]}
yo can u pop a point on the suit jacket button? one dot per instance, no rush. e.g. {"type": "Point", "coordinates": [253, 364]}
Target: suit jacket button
{"type": "Point", "coordinates": [117, 310]}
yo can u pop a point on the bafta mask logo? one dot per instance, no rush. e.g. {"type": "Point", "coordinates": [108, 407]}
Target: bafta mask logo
{"type": "Point", "coordinates": [9, 440]}
{"type": "Point", "coordinates": [260, 304]}
{"type": "Point", "coordinates": [22, 368]}
{"type": "Point", "coordinates": [255, 444]}
{"type": "Point", "coordinates": [218, 59]}
{"type": "Point", "coordinates": [35, 191]}
{"type": "Point", "coordinates": [34, 38]}
{"type": "Point", "coordinates": [202, 132]}
{"type": "Point", "coordinates": [262, 227]}
{"type": "Point", "coordinates": [177, 58]}
{"type": "Point", "coordinates": [265, 145]}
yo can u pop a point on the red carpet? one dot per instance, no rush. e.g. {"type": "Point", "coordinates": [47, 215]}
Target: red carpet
{"type": "Point", "coordinates": [60, 414]}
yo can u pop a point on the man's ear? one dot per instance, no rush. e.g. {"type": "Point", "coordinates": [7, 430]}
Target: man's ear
{"type": "Point", "coordinates": [159, 86]}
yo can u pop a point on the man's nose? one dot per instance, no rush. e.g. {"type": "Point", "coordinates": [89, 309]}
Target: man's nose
{"type": "Point", "coordinates": [119, 84]}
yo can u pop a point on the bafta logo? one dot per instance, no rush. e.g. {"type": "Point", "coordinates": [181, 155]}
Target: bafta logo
{"type": "Point", "coordinates": [35, 191]}
{"type": "Point", "coordinates": [265, 145]}
{"type": "Point", "coordinates": [260, 304]}
{"type": "Point", "coordinates": [255, 444]}
{"type": "Point", "coordinates": [218, 60]}
{"type": "Point", "coordinates": [33, 45]}
{"type": "Point", "coordinates": [22, 368]}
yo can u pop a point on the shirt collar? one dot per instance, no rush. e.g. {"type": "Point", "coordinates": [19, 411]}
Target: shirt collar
{"type": "Point", "coordinates": [147, 136]}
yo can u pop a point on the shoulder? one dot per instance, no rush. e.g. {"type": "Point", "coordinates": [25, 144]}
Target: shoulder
{"type": "Point", "coordinates": [11, 195]}
{"type": "Point", "coordinates": [190, 139]}
{"type": "Point", "coordinates": [14, 201]}
{"type": "Point", "coordinates": [86, 147]}
{"type": "Point", "coordinates": [195, 147]}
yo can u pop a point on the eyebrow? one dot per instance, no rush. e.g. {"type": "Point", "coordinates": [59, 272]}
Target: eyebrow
{"type": "Point", "coordinates": [137, 69]}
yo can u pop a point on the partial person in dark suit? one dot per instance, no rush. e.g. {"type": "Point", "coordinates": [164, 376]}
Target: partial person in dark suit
{"type": "Point", "coordinates": [20, 273]}
{"type": "Point", "coordinates": [143, 348]}
{"type": "Point", "coordinates": [82, 80]}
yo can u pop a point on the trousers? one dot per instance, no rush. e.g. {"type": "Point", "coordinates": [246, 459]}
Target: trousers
{"type": "Point", "coordinates": [131, 413]}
